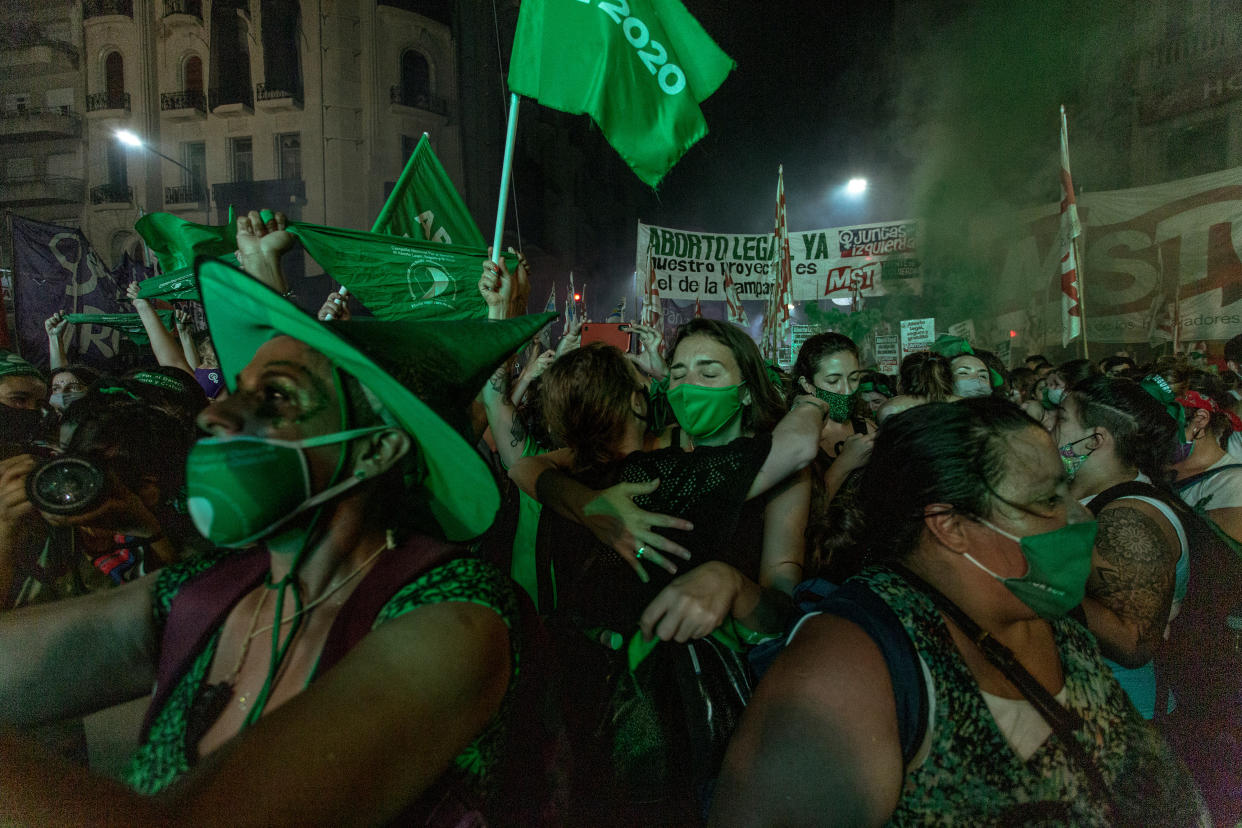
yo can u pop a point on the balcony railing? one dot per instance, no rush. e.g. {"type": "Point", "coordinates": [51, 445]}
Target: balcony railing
{"type": "Point", "coordinates": [33, 191]}
{"type": "Point", "coordinates": [263, 93]}
{"type": "Point", "coordinates": [418, 100]}
{"type": "Point", "coordinates": [104, 100]}
{"type": "Point", "coordinates": [187, 99]}
{"type": "Point", "coordinates": [185, 194]}
{"type": "Point", "coordinates": [99, 8]}
{"type": "Point", "coordinates": [40, 124]}
{"type": "Point", "coordinates": [234, 95]}
{"type": "Point", "coordinates": [112, 194]}
{"type": "Point", "coordinates": [194, 8]}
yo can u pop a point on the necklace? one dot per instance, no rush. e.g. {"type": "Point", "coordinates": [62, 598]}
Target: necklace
{"type": "Point", "coordinates": [253, 632]}
{"type": "Point", "coordinates": [213, 698]}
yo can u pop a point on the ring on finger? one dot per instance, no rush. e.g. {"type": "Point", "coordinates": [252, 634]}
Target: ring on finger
{"type": "Point", "coordinates": [642, 550]}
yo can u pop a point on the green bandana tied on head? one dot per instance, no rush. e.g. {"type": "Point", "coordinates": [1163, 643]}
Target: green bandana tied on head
{"type": "Point", "coordinates": [12, 365]}
{"type": "Point", "coordinates": [1159, 388]}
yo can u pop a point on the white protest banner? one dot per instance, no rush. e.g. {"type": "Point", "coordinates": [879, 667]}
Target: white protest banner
{"type": "Point", "coordinates": [917, 335]}
{"type": "Point", "coordinates": [1004, 352]}
{"type": "Point", "coordinates": [964, 330]}
{"type": "Point", "coordinates": [838, 261]}
{"type": "Point", "coordinates": [887, 354]}
{"type": "Point", "coordinates": [1143, 246]}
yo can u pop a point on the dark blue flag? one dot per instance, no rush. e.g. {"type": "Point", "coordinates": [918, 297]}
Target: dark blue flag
{"type": "Point", "coordinates": [55, 269]}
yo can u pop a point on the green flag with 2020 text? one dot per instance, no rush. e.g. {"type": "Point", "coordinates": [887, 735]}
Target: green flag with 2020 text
{"type": "Point", "coordinates": [639, 68]}
{"type": "Point", "coordinates": [424, 204]}
{"type": "Point", "coordinates": [397, 277]}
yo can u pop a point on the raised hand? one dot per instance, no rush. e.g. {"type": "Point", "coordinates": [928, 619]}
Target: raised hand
{"type": "Point", "coordinates": [617, 522]}
{"type": "Point", "coordinates": [334, 307]}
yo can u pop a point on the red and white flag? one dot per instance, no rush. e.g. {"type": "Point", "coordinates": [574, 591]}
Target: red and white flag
{"type": "Point", "coordinates": [737, 313]}
{"type": "Point", "coordinates": [776, 330]}
{"type": "Point", "coordinates": [653, 312]}
{"type": "Point", "coordinates": [1071, 229]}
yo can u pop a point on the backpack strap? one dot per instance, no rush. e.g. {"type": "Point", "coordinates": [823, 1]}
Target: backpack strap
{"type": "Point", "coordinates": [1131, 488]}
{"type": "Point", "coordinates": [855, 602]}
{"type": "Point", "coordinates": [1186, 483]}
{"type": "Point", "coordinates": [197, 611]}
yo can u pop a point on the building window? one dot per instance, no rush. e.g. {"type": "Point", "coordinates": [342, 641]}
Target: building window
{"type": "Point", "coordinates": [118, 169]}
{"type": "Point", "coordinates": [279, 24]}
{"type": "Point", "coordinates": [242, 154]}
{"type": "Point", "coordinates": [193, 74]}
{"type": "Point", "coordinates": [289, 156]}
{"type": "Point", "coordinates": [415, 78]}
{"type": "Point", "coordinates": [114, 80]}
{"type": "Point", "coordinates": [17, 103]}
{"type": "Point", "coordinates": [194, 156]}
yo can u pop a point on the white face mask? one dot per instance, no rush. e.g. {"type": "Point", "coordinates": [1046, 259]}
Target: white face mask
{"type": "Point", "coordinates": [971, 387]}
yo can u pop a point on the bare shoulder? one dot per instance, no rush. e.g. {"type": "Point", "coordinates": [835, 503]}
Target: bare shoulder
{"type": "Point", "coordinates": [826, 702]}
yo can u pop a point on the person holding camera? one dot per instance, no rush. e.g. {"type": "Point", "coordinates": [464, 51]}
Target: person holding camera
{"type": "Point", "coordinates": [101, 513]}
{"type": "Point", "coordinates": [339, 658]}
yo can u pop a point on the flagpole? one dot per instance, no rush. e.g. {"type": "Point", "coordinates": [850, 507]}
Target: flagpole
{"type": "Point", "coordinates": [506, 168]}
{"type": "Point", "coordinates": [1082, 292]}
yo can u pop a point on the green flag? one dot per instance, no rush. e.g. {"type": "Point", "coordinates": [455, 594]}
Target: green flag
{"type": "Point", "coordinates": [424, 204]}
{"type": "Point", "coordinates": [639, 69]}
{"type": "Point", "coordinates": [130, 324]}
{"type": "Point", "coordinates": [398, 277]}
{"type": "Point", "coordinates": [177, 285]}
{"type": "Point", "coordinates": [176, 241]}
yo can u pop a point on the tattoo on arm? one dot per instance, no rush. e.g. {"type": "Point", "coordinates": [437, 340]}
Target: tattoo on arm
{"type": "Point", "coordinates": [500, 380]}
{"type": "Point", "coordinates": [1134, 570]}
{"type": "Point", "coordinates": [517, 433]}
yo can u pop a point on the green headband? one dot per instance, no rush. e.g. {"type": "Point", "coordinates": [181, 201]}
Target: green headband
{"type": "Point", "coordinates": [1159, 388]}
{"type": "Point", "coordinates": [12, 365]}
{"type": "Point", "coordinates": [875, 386]}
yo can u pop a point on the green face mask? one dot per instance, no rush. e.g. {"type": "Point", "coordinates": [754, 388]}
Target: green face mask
{"type": "Point", "coordinates": [241, 489]}
{"type": "Point", "coordinates": [839, 405]}
{"type": "Point", "coordinates": [1058, 563]}
{"type": "Point", "coordinates": [701, 410]}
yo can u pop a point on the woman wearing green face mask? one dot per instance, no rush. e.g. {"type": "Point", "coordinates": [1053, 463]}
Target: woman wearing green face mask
{"type": "Point", "coordinates": [828, 367]}
{"type": "Point", "coordinates": [714, 551]}
{"type": "Point", "coordinates": [340, 658]}
{"type": "Point", "coordinates": [900, 682]}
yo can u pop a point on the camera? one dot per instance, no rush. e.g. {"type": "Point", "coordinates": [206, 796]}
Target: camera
{"type": "Point", "coordinates": [67, 485]}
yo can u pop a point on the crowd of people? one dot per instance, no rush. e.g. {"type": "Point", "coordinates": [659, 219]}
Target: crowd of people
{"type": "Point", "coordinates": [438, 573]}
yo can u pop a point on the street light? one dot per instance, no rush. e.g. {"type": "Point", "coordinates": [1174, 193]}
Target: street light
{"type": "Point", "coordinates": [130, 139]}
{"type": "Point", "coordinates": [856, 187]}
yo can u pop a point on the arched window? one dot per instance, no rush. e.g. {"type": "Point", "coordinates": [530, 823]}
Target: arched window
{"type": "Point", "coordinates": [114, 80]}
{"type": "Point", "coordinates": [415, 78]}
{"type": "Point", "coordinates": [193, 74]}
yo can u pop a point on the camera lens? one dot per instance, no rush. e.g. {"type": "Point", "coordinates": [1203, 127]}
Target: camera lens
{"type": "Point", "coordinates": [66, 485]}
